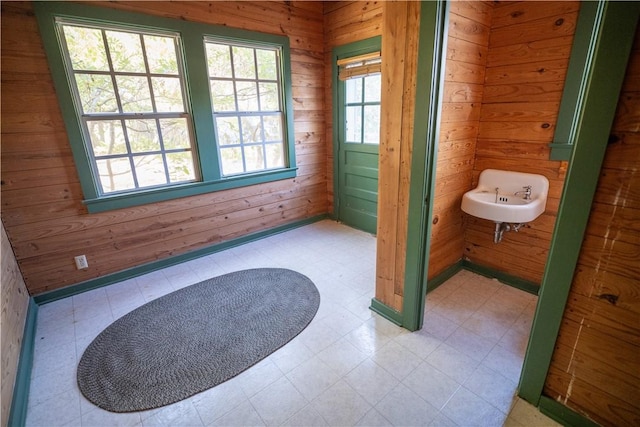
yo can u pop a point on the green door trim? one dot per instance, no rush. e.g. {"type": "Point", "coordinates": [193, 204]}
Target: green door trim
{"type": "Point", "coordinates": [359, 47]}
{"type": "Point", "coordinates": [432, 43]}
{"type": "Point", "coordinates": [615, 34]}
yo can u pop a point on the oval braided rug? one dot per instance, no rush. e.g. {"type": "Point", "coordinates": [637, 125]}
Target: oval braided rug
{"type": "Point", "coordinates": [195, 338]}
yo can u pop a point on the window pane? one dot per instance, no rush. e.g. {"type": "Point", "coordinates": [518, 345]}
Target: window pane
{"type": "Point", "coordinates": [354, 124]}
{"type": "Point", "coordinates": [180, 166]}
{"type": "Point", "coordinates": [372, 124]}
{"type": "Point", "coordinates": [150, 170]}
{"type": "Point", "coordinates": [243, 63]}
{"type": "Point", "coordinates": [222, 96]}
{"type": "Point", "coordinates": [247, 96]}
{"type": "Point", "coordinates": [267, 64]}
{"type": "Point", "coordinates": [269, 99]}
{"type": "Point", "coordinates": [115, 174]}
{"type": "Point", "coordinates": [96, 93]}
{"type": "Point", "coordinates": [372, 88]}
{"type": "Point", "coordinates": [86, 48]}
{"type": "Point", "coordinates": [143, 136]}
{"type": "Point", "coordinates": [251, 129]}
{"type": "Point", "coordinates": [161, 54]}
{"type": "Point", "coordinates": [272, 128]}
{"type": "Point", "coordinates": [107, 137]}
{"type": "Point", "coordinates": [354, 90]}
{"type": "Point", "coordinates": [219, 60]}
{"type": "Point", "coordinates": [175, 133]}
{"type": "Point", "coordinates": [275, 155]}
{"type": "Point", "coordinates": [228, 130]}
{"type": "Point", "coordinates": [254, 158]}
{"type": "Point", "coordinates": [168, 94]}
{"type": "Point", "coordinates": [126, 52]}
{"type": "Point", "coordinates": [231, 159]}
{"type": "Point", "coordinates": [134, 94]}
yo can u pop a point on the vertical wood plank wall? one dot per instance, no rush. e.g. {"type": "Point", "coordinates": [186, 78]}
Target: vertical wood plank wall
{"type": "Point", "coordinates": [399, 63]}
{"type": "Point", "coordinates": [467, 46]}
{"type": "Point", "coordinates": [529, 49]}
{"type": "Point", "coordinates": [595, 368]}
{"type": "Point", "coordinates": [42, 208]}
{"type": "Point", "coordinates": [344, 22]}
{"type": "Point", "coordinates": [15, 300]}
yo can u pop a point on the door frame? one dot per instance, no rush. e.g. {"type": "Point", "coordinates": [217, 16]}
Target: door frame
{"type": "Point", "coordinates": [348, 50]}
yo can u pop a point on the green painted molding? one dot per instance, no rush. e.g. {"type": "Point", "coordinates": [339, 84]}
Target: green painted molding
{"type": "Point", "coordinates": [447, 274]}
{"type": "Point", "coordinates": [615, 36]}
{"type": "Point", "coordinates": [565, 416]}
{"type": "Point", "coordinates": [507, 279]}
{"type": "Point", "coordinates": [428, 107]}
{"type": "Point", "coordinates": [385, 311]}
{"type": "Point", "coordinates": [576, 81]}
{"type": "Point", "coordinates": [119, 276]}
{"type": "Point", "coordinates": [20, 398]}
{"type": "Point", "coordinates": [360, 47]}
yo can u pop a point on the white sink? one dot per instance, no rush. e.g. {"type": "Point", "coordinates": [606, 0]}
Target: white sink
{"type": "Point", "coordinates": [501, 196]}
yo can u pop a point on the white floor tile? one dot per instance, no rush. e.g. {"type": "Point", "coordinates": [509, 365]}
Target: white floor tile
{"type": "Point", "coordinates": [349, 367]}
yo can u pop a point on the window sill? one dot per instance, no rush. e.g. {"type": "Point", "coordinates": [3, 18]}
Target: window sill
{"type": "Point", "coordinates": [120, 201]}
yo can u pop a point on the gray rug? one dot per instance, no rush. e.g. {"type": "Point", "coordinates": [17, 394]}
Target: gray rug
{"type": "Point", "coordinates": [195, 338]}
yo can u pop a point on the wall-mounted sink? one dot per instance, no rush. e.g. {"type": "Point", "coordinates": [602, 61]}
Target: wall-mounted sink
{"type": "Point", "coordinates": [505, 196]}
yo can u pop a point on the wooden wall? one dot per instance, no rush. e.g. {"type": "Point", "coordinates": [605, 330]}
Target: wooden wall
{"type": "Point", "coordinates": [401, 25]}
{"type": "Point", "coordinates": [595, 368]}
{"type": "Point", "coordinates": [344, 22]}
{"type": "Point", "coordinates": [529, 50]}
{"type": "Point", "coordinates": [15, 300]}
{"type": "Point", "coordinates": [42, 208]}
{"type": "Point", "coordinates": [467, 46]}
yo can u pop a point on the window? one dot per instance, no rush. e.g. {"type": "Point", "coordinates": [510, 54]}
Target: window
{"type": "Point", "coordinates": [157, 108]}
{"type": "Point", "coordinates": [247, 108]}
{"type": "Point", "coordinates": [362, 110]}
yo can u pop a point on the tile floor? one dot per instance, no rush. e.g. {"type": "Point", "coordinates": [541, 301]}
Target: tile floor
{"type": "Point", "coordinates": [349, 367]}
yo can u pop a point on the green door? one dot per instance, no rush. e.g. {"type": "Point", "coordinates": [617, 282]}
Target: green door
{"type": "Point", "coordinates": [357, 141]}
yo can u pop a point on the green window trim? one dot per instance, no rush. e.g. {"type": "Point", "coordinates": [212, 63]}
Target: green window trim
{"type": "Point", "coordinates": [193, 35]}
{"type": "Point", "coordinates": [577, 82]}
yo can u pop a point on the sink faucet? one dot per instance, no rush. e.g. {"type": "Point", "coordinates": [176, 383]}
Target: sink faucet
{"type": "Point", "coordinates": [526, 192]}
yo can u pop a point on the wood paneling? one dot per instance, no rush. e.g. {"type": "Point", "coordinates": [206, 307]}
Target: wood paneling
{"type": "Point", "coordinates": [344, 22]}
{"type": "Point", "coordinates": [467, 48]}
{"type": "Point", "coordinates": [529, 47]}
{"type": "Point", "coordinates": [399, 64]}
{"type": "Point", "coordinates": [15, 300]}
{"type": "Point", "coordinates": [595, 368]}
{"type": "Point", "coordinates": [41, 198]}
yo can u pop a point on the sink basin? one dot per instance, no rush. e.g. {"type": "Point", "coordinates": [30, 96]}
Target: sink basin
{"type": "Point", "coordinates": [495, 196]}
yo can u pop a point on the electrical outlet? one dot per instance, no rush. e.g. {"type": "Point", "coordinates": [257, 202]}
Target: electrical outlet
{"type": "Point", "coordinates": [81, 262]}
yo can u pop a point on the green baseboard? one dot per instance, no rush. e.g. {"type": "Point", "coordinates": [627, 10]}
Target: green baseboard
{"type": "Point", "coordinates": [505, 278]}
{"type": "Point", "coordinates": [565, 416]}
{"type": "Point", "coordinates": [385, 311]}
{"type": "Point", "coordinates": [20, 398]}
{"type": "Point", "coordinates": [445, 275]}
{"type": "Point", "coordinates": [109, 279]}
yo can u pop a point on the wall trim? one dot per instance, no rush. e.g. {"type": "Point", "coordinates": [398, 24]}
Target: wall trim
{"type": "Point", "coordinates": [20, 398]}
{"type": "Point", "coordinates": [505, 278]}
{"type": "Point", "coordinates": [385, 311]}
{"type": "Point", "coordinates": [445, 275]}
{"type": "Point", "coordinates": [119, 276]}
{"type": "Point", "coordinates": [562, 414]}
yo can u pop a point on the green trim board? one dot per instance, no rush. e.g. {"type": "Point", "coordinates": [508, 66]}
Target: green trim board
{"type": "Point", "coordinates": [109, 279]}
{"type": "Point", "coordinates": [507, 279]}
{"type": "Point", "coordinates": [615, 36]}
{"type": "Point", "coordinates": [20, 397]}
{"type": "Point", "coordinates": [434, 23]}
{"type": "Point", "coordinates": [193, 35]}
{"type": "Point", "coordinates": [576, 81]}
{"type": "Point", "coordinates": [447, 274]}
{"type": "Point", "coordinates": [565, 416]}
{"type": "Point", "coordinates": [385, 311]}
